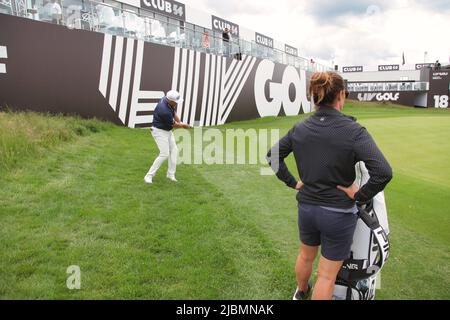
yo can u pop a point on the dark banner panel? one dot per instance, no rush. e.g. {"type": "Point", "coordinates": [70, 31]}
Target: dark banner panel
{"type": "Point", "coordinates": [406, 98]}
{"type": "Point", "coordinates": [438, 96]}
{"type": "Point", "coordinates": [50, 68]}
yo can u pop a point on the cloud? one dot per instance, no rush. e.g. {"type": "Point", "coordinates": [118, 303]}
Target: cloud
{"type": "Point", "coordinates": [435, 5]}
{"type": "Point", "coordinates": [331, 11]}
{"type": "Point", "coordinates": [231, 7]}
{"type": "Point", "coordinates": [347, 32]}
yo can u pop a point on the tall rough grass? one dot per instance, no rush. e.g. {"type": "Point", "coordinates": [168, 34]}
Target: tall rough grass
{"type": "Point", "coordinates": [29, 134]}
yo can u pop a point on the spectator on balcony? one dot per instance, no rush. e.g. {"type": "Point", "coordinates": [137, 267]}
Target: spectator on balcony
{"type": "Point", "coordinates": [205, 41]}
{"type": "Point", "coordinates": [437, 65]}
{"type": "Point", "coordinates": [53, 10]}
{"type": "Point", "coordinates": [226, 36]}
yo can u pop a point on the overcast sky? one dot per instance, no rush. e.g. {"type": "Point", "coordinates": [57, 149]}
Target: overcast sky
{"type": "Point", "coordinates": [348, 32]}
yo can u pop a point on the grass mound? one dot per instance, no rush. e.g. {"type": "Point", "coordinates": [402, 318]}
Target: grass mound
{"type": "Point", "coordinates": [28, 134]}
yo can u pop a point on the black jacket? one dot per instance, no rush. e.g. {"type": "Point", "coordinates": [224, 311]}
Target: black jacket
{"type": "Point", "coordinates": [326, 148]}
{"type": "Point", "coordinates": [226, 36]}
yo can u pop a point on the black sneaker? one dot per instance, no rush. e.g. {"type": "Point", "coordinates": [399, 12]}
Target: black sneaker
{"type": "Point", "coordinates": [300, 295]}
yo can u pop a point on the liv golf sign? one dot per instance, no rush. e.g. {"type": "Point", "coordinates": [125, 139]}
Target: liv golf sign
{"type": "Point", "coordinates": [134, 76]}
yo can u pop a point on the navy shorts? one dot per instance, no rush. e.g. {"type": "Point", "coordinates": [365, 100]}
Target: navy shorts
{"type": "Point", "coordinates": [331, 230]}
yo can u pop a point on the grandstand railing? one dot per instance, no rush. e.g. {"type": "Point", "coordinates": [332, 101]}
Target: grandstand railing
{"type": "Point", "coordinates": [114, 18]}
{"type": "Point", "coordinates": [387, 86]}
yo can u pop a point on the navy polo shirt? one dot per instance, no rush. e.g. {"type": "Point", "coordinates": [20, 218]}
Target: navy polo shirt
{"type": "Point", "coordinates": [164, 115]}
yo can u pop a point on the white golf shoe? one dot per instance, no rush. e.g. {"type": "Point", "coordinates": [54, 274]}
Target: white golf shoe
{"type": "Point", "coordinates": [148, 179]}
{"type": "Point", "coordinates": [172, 178]}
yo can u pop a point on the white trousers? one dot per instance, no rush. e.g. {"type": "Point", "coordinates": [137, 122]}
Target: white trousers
{"type": "Point", "coordinates": [168, 150]}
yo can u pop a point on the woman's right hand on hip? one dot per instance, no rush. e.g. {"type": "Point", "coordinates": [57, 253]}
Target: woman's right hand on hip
{"type": "Point", "coordinates": [350, 191]}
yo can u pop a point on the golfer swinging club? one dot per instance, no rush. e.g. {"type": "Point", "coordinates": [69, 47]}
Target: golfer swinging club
{"type": "Point", "coordinates": [165, 119]}
{"type": "Point", "coordinates": [326, 147]}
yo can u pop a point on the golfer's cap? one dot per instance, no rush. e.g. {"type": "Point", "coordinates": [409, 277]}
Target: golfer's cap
{"type": "Point", "coordinates": [174, 96]}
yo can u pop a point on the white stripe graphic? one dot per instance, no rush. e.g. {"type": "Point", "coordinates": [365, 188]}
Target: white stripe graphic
{"type": "Point", "coordinates": [104, 72]}
{"type": "Point", "coordinates": [205, 90]}
{"type": "Point", "coordinates": [190, 76]}
{"type": "Point", "coordinates": [3, 55]}
{"type": "Point", "coordinates": [211, 92]}
{"type": "Point", "coordinates": [222, 91]}
{"type": "Point", "coordinates": [230, 70]}
{"type": "Point", "coordinates": [216, 91]}
{"type": "Point", "coordinates": [222, 86]}
{"type": "Point", "coordinates": [231, 84]}
{"type": "Point", "coordinates": [126, 80]}
{"type": "Point", "coordinates": [176, 68]}
{"type": "Point", "coordinates": [150, 95]}
{"type": "Point", "coordinates": [146, 107]}
{"type": "Point", "coordinates": [136, 84]}
{"type": "Point", "coordinates": [232, 73]}
{"type": "Point", "coordinates": [241, 86]}
{"type": "Point", "coordinates": [241, 81]}
{"type": "Point", "coordinates": [143, 119]}
{"type": "Point", "coordinates": [196, 82]}
{"type": "Point", "coordinates": [182, 80]}
{"type": "Point", "coordinates": [116, 73]}
{"type": "Point", "coordinates": [235, 84]}
{"type": "Point", "coordinates": [3, 52]}
{"type": "Point", "coordinates": [235, 73]}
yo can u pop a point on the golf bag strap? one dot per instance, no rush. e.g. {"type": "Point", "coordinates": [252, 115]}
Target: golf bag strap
{"type": "Point", "coordinates": [383, 243]}
{"type": "Point", "coordinates": [379, 233]}
{"type": "Point", "coordinates": [349, 293]}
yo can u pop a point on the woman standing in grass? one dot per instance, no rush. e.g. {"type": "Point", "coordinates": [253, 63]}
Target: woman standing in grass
{"type": "Point", "coordinates": [326, 147]}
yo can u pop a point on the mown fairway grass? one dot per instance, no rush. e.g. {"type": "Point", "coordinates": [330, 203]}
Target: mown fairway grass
{"type": "Point", "coordinates": [222, 232]}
